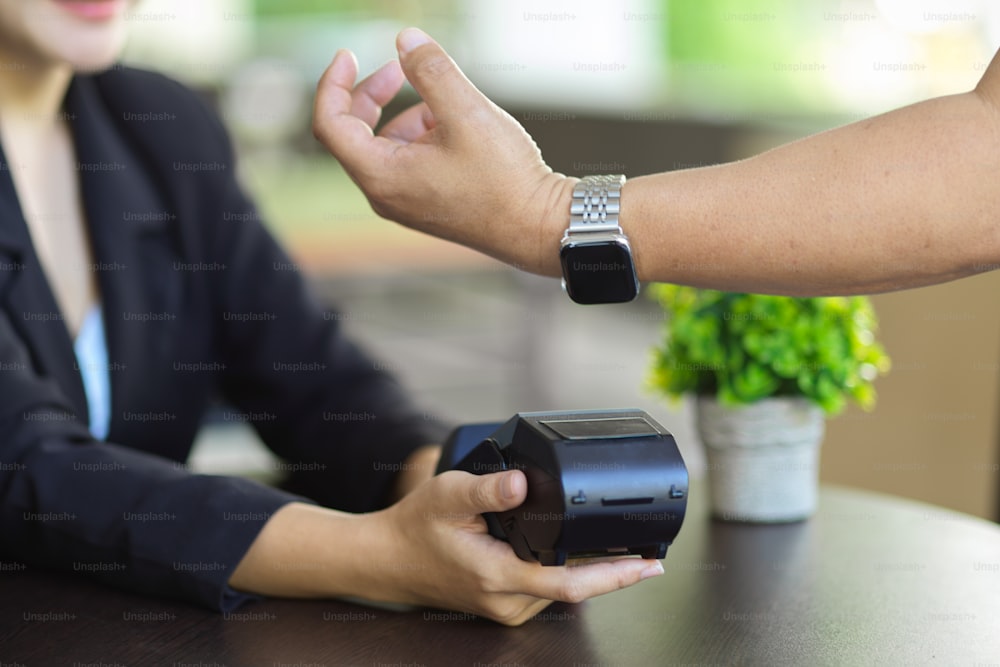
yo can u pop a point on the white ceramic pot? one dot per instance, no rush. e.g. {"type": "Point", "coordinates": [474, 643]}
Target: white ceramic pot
{"type": "Point", "coordinates": [763, 458]}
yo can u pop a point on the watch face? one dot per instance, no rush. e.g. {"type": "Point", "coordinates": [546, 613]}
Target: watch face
{"type": "Point", "coordinates": [599, 272]}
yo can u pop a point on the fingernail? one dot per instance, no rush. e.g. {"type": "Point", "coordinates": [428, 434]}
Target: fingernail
{"type": "Point", "coordinates": [507, 487]}
{"type": "Point", "coordinates": [654, 570]}
{"type": "Point", "coordinates": [411, 38]}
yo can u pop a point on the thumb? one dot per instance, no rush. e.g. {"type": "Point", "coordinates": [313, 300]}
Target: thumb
{"type": "Point", "coordinates": [436, 77]}
{"type": "Point", "coordinates": [489, 493]}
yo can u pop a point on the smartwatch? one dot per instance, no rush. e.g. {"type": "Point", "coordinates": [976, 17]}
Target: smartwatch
{"type": "Point", "coordinates": [595, 254]}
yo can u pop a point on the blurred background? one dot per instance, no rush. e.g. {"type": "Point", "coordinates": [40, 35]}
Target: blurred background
{"type": "Point", "coordinates": [632, 86]}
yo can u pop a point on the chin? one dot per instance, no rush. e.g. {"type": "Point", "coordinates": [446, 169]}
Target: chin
{"type": "Point", "coordinates": [86, 35]}
{"type": "Point", "coordinates": [84, 58]}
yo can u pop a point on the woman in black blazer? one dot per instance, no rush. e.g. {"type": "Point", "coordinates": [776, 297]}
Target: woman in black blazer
{"type": "Point", "coordinates": [136, 286]}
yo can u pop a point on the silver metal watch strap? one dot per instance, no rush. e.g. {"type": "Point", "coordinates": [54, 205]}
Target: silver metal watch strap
{"type": "Point", "coordinates": [595, 205]}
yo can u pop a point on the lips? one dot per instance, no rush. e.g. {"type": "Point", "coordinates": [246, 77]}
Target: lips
{"type": "Point", "coordinates": [93, 10]}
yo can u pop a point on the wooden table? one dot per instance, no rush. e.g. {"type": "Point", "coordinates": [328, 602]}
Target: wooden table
{"type": "Point", "coordinates": [870, 580]}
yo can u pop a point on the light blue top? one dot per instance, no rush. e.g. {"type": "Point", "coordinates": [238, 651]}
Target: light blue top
{"type": "Point", "coordinates": [91, 350]}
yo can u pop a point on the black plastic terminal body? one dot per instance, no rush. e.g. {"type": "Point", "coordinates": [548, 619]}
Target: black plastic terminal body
{"type": "Point", "coordinates": [600, 482]}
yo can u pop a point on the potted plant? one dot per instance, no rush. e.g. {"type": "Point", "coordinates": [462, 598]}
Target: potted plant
{"type": "Point", "coordinates": [766, 371]}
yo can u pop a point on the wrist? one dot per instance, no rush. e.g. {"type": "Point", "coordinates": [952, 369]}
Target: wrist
{"type": "Point", "coordinates": [595, 252]}
{"type": "Point", "coordinates": [626, 221]}
{"type": "Point", "coordinates": [556, 198]}
{"type": "Point", "coordinates": [381, 569]}
{"type": "Point", "coordinates": [355, 555]}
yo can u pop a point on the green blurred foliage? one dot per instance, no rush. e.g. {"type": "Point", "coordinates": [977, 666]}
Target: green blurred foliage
{"type": "Point", "coordinates": [298, 7]}
{"type": "Point", "coordinates": [757, 54]}
{"type": "Point", "coordinates": [744, 347]}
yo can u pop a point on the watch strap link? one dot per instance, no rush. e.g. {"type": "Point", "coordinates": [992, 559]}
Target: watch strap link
{"type": "Point", "coordinates": [595, 206]}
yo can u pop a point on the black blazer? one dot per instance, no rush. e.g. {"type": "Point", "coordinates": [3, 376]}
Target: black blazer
{"type": "Point", "coordinates": [199, 302]}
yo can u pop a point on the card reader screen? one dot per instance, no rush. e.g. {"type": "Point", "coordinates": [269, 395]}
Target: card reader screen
{"type": "Point", "coordinates": [602, 429]}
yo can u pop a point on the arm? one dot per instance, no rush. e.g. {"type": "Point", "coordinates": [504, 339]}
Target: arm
{"type": "Point", "coordinates": [432, 548]}
{"type": "Point", "coordinates": [124, 517]}
{"type": "Point", "coordinates": [904, 199]}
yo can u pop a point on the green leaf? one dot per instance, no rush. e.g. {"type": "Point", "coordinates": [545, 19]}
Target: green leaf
{"type": "Point", "coordinates": [743, 347]}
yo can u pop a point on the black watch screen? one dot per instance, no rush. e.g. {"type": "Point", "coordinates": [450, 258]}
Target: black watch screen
{"type": "Point", "coordinates": [599, 271]}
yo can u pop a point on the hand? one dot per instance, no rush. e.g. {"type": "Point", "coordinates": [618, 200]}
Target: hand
{"type": "Point", "coordinates": [431, 548]}
{"type": "Point", "coordinates": [455, 165]}
{"type": "Point", "coordinates": [436, 551]}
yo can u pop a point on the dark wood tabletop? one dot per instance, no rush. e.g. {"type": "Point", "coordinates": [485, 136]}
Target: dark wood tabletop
{"type": "Point", "coordinates": [869, 580]}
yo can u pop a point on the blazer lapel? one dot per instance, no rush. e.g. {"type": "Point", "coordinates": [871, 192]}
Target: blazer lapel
{"type": "Point", "coordinates": [133, 260]}
{"type": "Point", "coordinates": [26, 297]}
{"type": "Point", "coordinates": [14, 236]}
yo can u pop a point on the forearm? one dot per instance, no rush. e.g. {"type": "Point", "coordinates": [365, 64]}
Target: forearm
{"type": "Point", "coordinates": [306, 551]}
{"type": "Point", "coordinates": [900, 200]}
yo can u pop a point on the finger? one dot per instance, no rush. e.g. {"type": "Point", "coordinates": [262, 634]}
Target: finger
{"type": "Point", "coordinates": [347, 137]}
{"type": "Point", "coordinates": [375, 91]}
{"type": "Point", "coordinates": [475, 494]}
{"type": "Point", "coordinates": [436, 77]}
{"type": "Point", "coordinates": [337, 82]}
{"type": "Point", "coordinates": [410, 125]}
{"type": "Point", "coordinates": [498, 492]}
{"type": "Point", "coordinates": [577, 584]}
